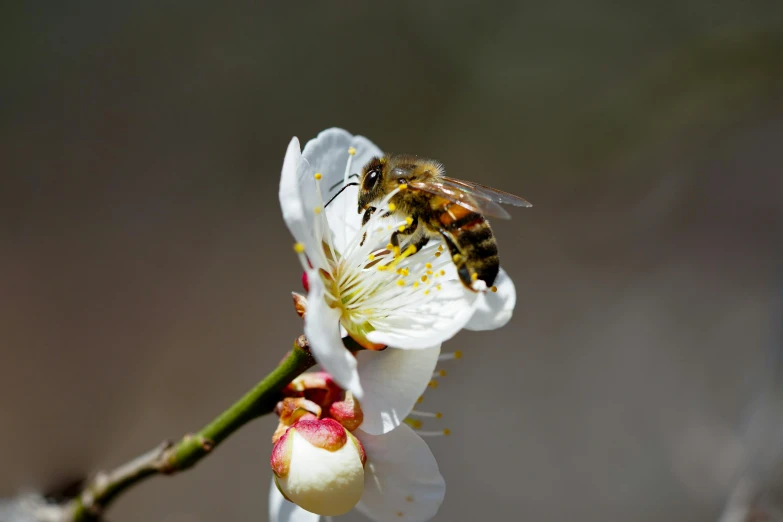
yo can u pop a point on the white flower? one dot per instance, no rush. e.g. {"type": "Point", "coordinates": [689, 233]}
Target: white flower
{"type": "Point", "coordinates": [412, 301]}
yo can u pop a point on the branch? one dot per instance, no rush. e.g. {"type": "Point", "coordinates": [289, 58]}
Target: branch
{"type": "Point", "coordinates": [170, 458]}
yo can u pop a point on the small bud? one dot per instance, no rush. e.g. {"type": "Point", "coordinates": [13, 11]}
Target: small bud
{"type": "Point", "coordinates": [318, 387]}
{"type": "Point", "coordinates": [347, 412]}
{"type": "Point", "coordinates": [319, 466]}
{"type": "Point", "coordinates": [300, 304]}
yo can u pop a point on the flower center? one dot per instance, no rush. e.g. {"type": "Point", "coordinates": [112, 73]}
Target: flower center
{"type": "Point", "coordinates": [374, 283]}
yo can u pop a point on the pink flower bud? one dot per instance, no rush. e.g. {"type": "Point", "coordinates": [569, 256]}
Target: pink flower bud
{"type": "Point", "coordinates": [347, 412]}
{"type": "Point", "coordinates": [319, 466]}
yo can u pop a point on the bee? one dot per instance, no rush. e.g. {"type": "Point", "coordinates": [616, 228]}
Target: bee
{"type": "Point", "coordinates": [438, 207]}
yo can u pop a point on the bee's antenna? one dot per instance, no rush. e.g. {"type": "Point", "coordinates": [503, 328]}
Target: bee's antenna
{"type": "Point", "coordinates": [340, 182]}
{"type": "Point", "coordinates": [341, 191]}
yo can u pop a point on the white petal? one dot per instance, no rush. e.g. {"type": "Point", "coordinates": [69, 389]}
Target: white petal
{"type": "Point", "coordinates": [297, 201]}
{"type": "Point", "coordinates": [442, 319]}
{"type": "Point", "coordinates": [401, 476]}
{"type": "Point", "coordinates": [494, 309]}
{"type": "Point", "coordinates": [281, 510]}
{"type": "Point", "coordinates": [393, 380]}
{"type": "Point", "coordinates": [322, 329]}
{"type": "Point", "coordinates": [328, 154]}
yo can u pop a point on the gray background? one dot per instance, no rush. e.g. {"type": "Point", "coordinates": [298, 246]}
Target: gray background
{"type": "Point", "coordinates": [145, 269]}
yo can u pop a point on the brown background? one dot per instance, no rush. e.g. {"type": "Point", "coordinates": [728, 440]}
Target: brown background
{"type": "Point", "coordinates": [145, 269]}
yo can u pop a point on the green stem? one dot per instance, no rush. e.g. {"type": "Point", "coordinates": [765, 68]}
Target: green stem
{"type": "Point", "coordinates": [171, 458]}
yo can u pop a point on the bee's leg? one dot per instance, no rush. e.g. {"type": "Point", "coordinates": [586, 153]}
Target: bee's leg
{"type": "Point", "coordinates": [365, 218]}
{"type": "Point", "coordinates": [421, 241]}
{"type": "Point", "coordinates": [409, 229]}
{"type": "Point", "coordinates": [460, 261]}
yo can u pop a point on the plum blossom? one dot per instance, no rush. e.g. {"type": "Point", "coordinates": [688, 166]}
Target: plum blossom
{"type": "Point", "coordinates": [408, 301]}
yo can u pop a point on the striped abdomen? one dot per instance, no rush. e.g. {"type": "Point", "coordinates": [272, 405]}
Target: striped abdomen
{"type": "Point", "coordinates": [471, 242]}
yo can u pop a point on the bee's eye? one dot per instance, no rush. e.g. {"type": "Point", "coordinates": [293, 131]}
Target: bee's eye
{"type": "Point", "coordinates": [371, 179]}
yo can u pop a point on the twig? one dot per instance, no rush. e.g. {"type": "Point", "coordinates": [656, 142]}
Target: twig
{"type": "Point", "coordinates": [170, 458]}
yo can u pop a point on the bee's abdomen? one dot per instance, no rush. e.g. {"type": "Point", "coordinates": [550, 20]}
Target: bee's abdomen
{"type": "Point", "coordinates": [476, 243]}
{"type": "Point", "coordinates": [480, 250]}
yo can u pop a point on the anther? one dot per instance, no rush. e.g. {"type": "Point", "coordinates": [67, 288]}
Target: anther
{"type": "Point", "coordinates": [440, 373]}
{"type": "Point", "coordinates": [403, 186]}
{"type": "Point", "coordinates": [409, 499]}
{"type": "Point", "coordinates": [317, 210]}
{"type": "Point", "coordinates": [415, 284]}
{"type": "Point", "coordinates": [401, 228]}
{"type": "Point", "coordinates": [318, 175]}
{"type": "Point", "coordinates": [299, 248]}
{"type": "Point", "coordinates": [440, 248]}
{"type": "Point", "coordinates": [442, 272]}
{"type": "Point", "coordinates": [351, 151]}
{"type": "Point", "coordinates": [409, 220]}
{"type": "Point", "coordinates": [400, 282]}
{"type": "Point", "coordinates": [414, 423]}
{"type": "Point", "coordinates": [450, 356]}
{"type": "Point", "coordinates": [494, 288]}
{"type": "Point", "coordinates": [423, 278]}
{"type": "Point", "coordinates": [428, 265]}
{"type": "Point", "coordinates": [439, 287]}
{"type": "Point", "coordinates": [389, 246]}
{"type": "Point", "coordinates": [392, 207]}
{"type": "Point", "coordinates": [437, 254]}
{"type": "Point", "coordinates": [473, 276]}
{"type": "Point", "coordinates": [420, 399]}
{"type": "Point", "coordinates": [400, 514]}
{"type": "Point", "coordinates": [371, 257]}
{"type": "Point", "coordinates": [456, 258]}
{"type": "Point", "coordinates": [433, 384]}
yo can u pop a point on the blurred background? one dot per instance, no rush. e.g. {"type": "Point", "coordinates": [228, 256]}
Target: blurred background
{"type": "Point", "coordinates": [145, 269]}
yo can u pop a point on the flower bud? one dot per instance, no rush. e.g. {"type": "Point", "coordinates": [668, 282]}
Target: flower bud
{"type": "Point", "coordinates": [347, 412]}
{"type": "Point", "coordinates": [319, 466]}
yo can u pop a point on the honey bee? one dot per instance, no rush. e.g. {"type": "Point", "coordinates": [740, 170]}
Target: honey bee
{"type": "Point", "coordinates": [438, 206]}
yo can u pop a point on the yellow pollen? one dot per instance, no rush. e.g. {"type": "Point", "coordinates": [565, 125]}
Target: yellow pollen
{"type": "Point", "coordinates": [473, 276]}
{"type": "Point", "coordinates": [440, 248]}
{"type": "Point", "coordinates": [396, 251]}
{"type": "Point", "coordinates": [423, 278]}
{"type": "Point", "coordinates": [428, 265]}
{"type": "Point", "coordinates": [429, 272]}
{"type": "Point", "coordinates": [406, 272]}
{"type": "Point", "coordinates": [438, 415]}
{"type": "Point", "coordinates": [400, 282]}
{"type": "Point", "coordinates": [437, 254]}
{"type": "Point", "coordinates": [401, 228]}
{"type": "Point", "coordinates": [416, 424]}
{"type": "Point", "coordinates": [403, 186]}
{"type": "Point", "coordinates": [389, 246]}
{"type": "Point", "coordinates": [447, 432]}
{"type": "Point", "coordinates": [415, 284]}
{"type": "Point", "coordinates": [299, 248]}
{"type": "Point", "coordinates": [442, 272]}
{"type": "Point", "coordinates": [388, 227]}
{"type": "Point", "coordinates": [409, 220]}
{"type": "Point", "coordinates": [426, 292]}
{"type": "Point", "coordinates": [317, 210]}
{"type": "Point", "coordinates": [383, 267]}
{"type": "Point", "coordinates": [351, 151]}
{"type": "Point", "coordinates": [456, 258]}
{"type": "Point", "coordinates": [458, 354]}
{"type": "Point", "coordinates": [442, 373]}
{"type": "Point", "coordinates": [420, 399]}
{"type": "Point", "coordinates": [433, 384]}
{"type": "Point", "coordinates": [409, 498]}
{"type": "Point", "coordinates": [439, 287]}
{"type": "Point", "coordinates": [371, 257]}
{"type": "Point", "coordinates": [318, 175]}
{"type": "Point", "coordinates": [494, 288]}
{"type": "Point", "coordinates": [392, 207]}
{"type": "Point", "coordinates": [410, 250]}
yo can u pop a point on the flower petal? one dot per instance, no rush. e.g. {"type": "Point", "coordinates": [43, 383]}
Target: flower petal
{"type": "Point", "coordinates": [430, 323]}
{"type": "Point", "coordinates": [393, 380]}
{"type": "Point", "coordinates": [297, 199]}
{"type": "Point", "coordinates": [494, 309]}
{"type": "Point", "coordinates": [328, 154]}
{"type": "Point", "coordinates": [322, 328]}
{"type": "Point", "coordinates": [281, 510]}
{"type": "Point", "coordinates": [401, 480]}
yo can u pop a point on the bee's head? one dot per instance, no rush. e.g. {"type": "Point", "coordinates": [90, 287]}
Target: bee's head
{"type": "Point", "coordinates": [371, 185]}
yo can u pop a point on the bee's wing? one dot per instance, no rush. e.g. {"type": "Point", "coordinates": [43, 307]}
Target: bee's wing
{"type": "Point", "coordinates": [484, 192]}
{"type": "Point", "coordinates": [462, 196]}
